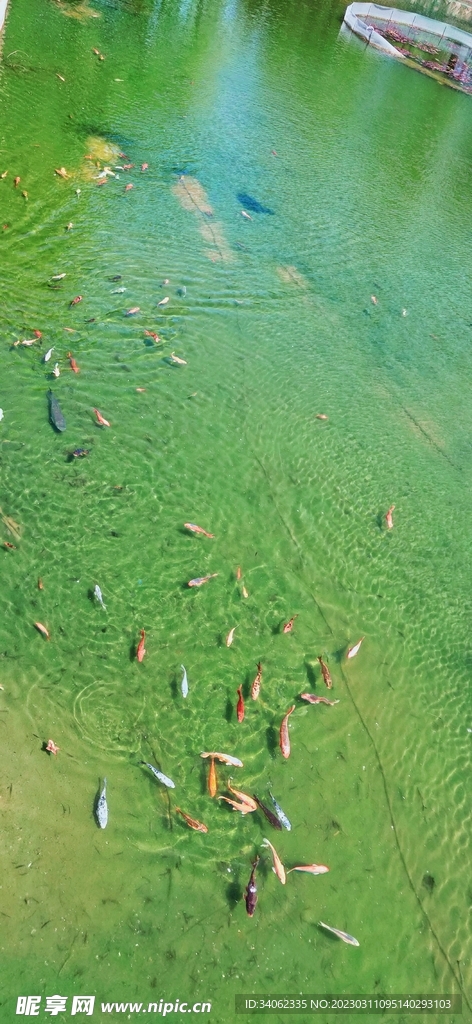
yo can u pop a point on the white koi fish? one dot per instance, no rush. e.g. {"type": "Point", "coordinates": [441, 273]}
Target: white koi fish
{"type": "Point", "coordinates": [98, 594]}
{"type": "Point", "coordinates": [280, 814]}
{"type": "Point", "coordinates": [160, 775]}
{"type": "Point", "coordinates": [184, 683]}
{"type": "Point", "coordinates": [341, 935]}
{"type": "Point", "coordinates": [48, 354]}
{"type": "Point", "coordinates": [102, 807]}
{"type": "Point", "coordinates": [353, 650]}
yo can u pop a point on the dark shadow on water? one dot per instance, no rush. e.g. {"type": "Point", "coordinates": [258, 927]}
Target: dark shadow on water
{"type": "Point", "coordinates": [174, 687]}
{"type": "Point", "coordinates": [229, 709]}
{"type": "Point", "coordinates": [310, 674]}
{"type": "Point", "coordinates": [234, 894]}
{"type": "Point", "coordinates": [339, 654]}
{"type": "Point", "coordinates": [277, 629]}
{"type": "Point", "coordinates": [271, 739]}
{"type": "Point", "coordinates": [247, 686]}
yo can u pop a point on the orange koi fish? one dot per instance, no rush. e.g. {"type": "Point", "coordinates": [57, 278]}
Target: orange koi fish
{"type": "Point", "coordinates": [152, 334]}
{"type": "Point", "coordinates": [132, 311]}
{"type": "Point", "coordinates": [325, 674]}
{"type": "Point", "coordinates": [127, 187]}
{"type": "Point", "coordinates": [198, 529]}
{"type": "Point", "coordinates": [212, 778]}
{"type": "Point", "coordinates": [256, 686]}
{"type": "Point", "coordinates": [61, 171]}
{"type": "Point", "coordinates": [141, 650]}
{"type": "Point", "coordinates": [201, 579]}
{"type": "Point", "coordinates": [52, 747]}
{"type": "Point", "coordinates": [238, 573]}
{"type": "Point", "coordinates": [144, 167]}
{"type": "Point", "coordinates": [312, 698]}
{"type": "Point", "coordinates": [73, 364]}
{"type": "Point", "coordinates": [77, 299]}
{"type": "Point", "coordinates": [192, 822]}
{"type": "Point", "coordinates": [284, 736]}
{"type": "Point", "coordinates": [42, 629]}
{"type": "Point", "coordinates": [278, 867]}
{"type": "Point", "coordinates": [289, 625]}
{"type": "Point", "coordinates": [38, 334]}
{"type": "Point", "coordinates": [102, 422]}
{"type": "Point", "coordinates": [225, 759]}
{"type": "Point", "coordinates": [388, 518]}
{"type": "Point", "coordinates": [312, 869]}
{"type": "Point", "coordinates": [243, 797]}
{"type": "Point", "coordinates": [230, 637]}
{"type": "Point", "coordinates": [240, 707]}
{"type": "Point", "coordinates": [16, 181]}
{"type": "Point", "coordinates": [353, 650]}
{"type": "Point", "coordinates": [11, 547]}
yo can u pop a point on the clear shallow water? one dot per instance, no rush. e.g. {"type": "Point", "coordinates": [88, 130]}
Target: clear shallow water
{"type": "Point", "coordinates": [370, 190]}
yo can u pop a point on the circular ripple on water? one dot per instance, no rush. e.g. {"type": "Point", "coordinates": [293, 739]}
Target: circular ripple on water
{"type": "Point", "coordinates": [107, 719]}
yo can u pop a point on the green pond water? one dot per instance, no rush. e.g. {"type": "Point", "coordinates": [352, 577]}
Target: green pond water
{"type": "Point", "coordinates": [367, 169]}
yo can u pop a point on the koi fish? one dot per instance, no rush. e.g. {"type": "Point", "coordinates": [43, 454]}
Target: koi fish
{"type": "Point", "coordinates": [240, 707]}
{"type": "Point", "coordinates": [191, 526]}
{"type": "Point", "coordinates": [238, 573]}
{"type": "Point", "coordinates": [274, 821]}
{"type": "Point", "coordinates": [48, 354]}
{"type": "Point", "coordinates": [192, 822]}
{"type": "Point", "coordinates": [243, 797]}
{"type": "Point", "coordinates": [278, 867]}
{"type": "Point", "coordinates": [69, 226]}
{"type": "Point", "coordinates": [177, 359]}
{"type": "Point", "coordinates": [127, 187]}
{"type": "Point", "coordinates": [246, 215]}
{"type": "Point", "coordinates": [325, 674]}
{"type": "Point", "coordinates": [230, 637]}
{"type": "Point", "coordinates": [11, 547]}
{"type": "Point", "coordinates": [73, 364]}
{"type": "Point", "coordinates": [61, 171]}
{"type": "Point", "coordinates": [98, 595]}
{"type": "Point", "coordinates": [152, 334]}
{"type": "Point", "coordinates": [256, 686]}
{"type": "Point", "coordinates": [52, 747]}
{"type": "Point", "coordinates": [284, 736]}
{"type": "Point", "coordinates": [4, 174]}
{"type": "Point", "coordinates": [159, 775]}
{"type": "Point", "coordinates": [40, 584]}
{"type": "Point", "coordinates": [38, 334]}
{"type": "Point", "coordinates": [225, 759]}
{"type": "Point", "coordinates": [280, 814]}
{"type": "Point", "coordinates": [80, 453]}
{"type": "Point", "coordinates": [164, 302]}
{"type": "Point", "coordinates": [141, 650]}
{"type": "Point", "coordinates": [184, 683]}
{"type": "Point", "coordinates": [237, 805]}
{"type": "Point", "coordinates": [312, 869]}
{"type": "Point", "coordinates": [141, 390]}
{"type": "Point", "coordinates": [353, 650]}
{"type": "Point", "coordinates": [289, 625]}
{"type": "Point", "coordinates": [56, 371]}
{"type": "Point", "coordinates": [25, 195]}
{"type": "Point", "coordinates": [312, 698]}
{"type": "Point", "coordinates": [16, 181]}
{"type": "Point", "coordinates": [212, 778]}
{"type": "Point", "coordinates": [118, 291]}
{"type": "Point", "coordinates": [388, 518]}
{"type": "Point", "coordinates": [127, 167]}
{"type": "Point", "coordinates": [341, 935]}
{"type": "Point", "coordinates": [102, 807]}
{"type": "Point", "coordinates": [250, 895]}
{"type": "Point", "coordinates": [144, 167]}
{"type": "Point", "coordinates": [373, 300]}
{"type": "Point", "coordinates": [58, 277]}
{"type": "Point", "coordinates": [321, 416]}
{"type": "Point", "coordinates": [102, 422]}
{"type": "Point", "coordinates": [244, 592]}
{"type": "Point", "coordinates": [42, 629]}
{"type": "Point", "coordinates": [201, 579]}
{"type": "Point", "coordinates": [132, 311]}
{"type": "Point", "coordinates": [74, 302]}
{"type": "Point", "coordinates": [61, 77]}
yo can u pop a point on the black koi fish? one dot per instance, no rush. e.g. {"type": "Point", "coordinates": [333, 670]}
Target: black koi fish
{"type": "Point", "coordinates": [251, 892]}
{"type": "Point", "coordinates": [268, 813]}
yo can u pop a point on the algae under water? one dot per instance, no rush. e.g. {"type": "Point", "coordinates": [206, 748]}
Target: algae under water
{"type": "Point", "coordinates": [367, 169]}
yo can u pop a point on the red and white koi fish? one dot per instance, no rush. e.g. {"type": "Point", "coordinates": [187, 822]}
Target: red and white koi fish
{"type": "Point", "coordinates": [141, 650]}
{"type": "Point", "coordinates": [42, 629]}
{"type": "Point", "coordinates": [237, 805]}
{"type": "Point", "coordinates": [212, 778]}
{"type": "Point", "coordinates": [312, 869]}
{"type": "Point", "coordinates": [132, 311]}
{"type": "Point", "coordinates": [243, 797]}
{"type": "Point", "coordinates": [16, 181]}
{"type": "Point", "coordinates": [127, 167]}
{"type": "Point", "coordinates": [240, 707]}
{"type": "Point", "coordinates": [353, 650]}
{"type": "Point", "coordinates": [230, 637]}
{"type": "Point", "coordinates": [341, 935]}
{"type": "Point", "coordinates": [256, 686]}
{"type": "Point", "coordinates": [312, 698]}
{"type": "Point", "coordinates": [152, 334]}
{"type": "Point", "coordinates": [192, 822]}
{"type": "Point", "coordinates": [224, 758]}
{"type": "Point", "coordinates": [278, 867]}
{"type": "Point", "coordinates": [10, 547]}
{"type": "Point", "coordinates": [284, 736]}
{"type": "Point", "coordinates": [289, 625]}
{"type": "Point", "coordinates": [73, 364]}
{"type": "Point", "coordinates": [102, 422]}
{"type": "Point", "coordinates": [52, 747]}
{"type": "Point", "coordinates": [127, 187]}
{"type": "Point", "coordinates": [78, 298]}
{"type": "Point", "coordinates": [388, 518]}
{"type": "Point", "coordinates": [144, 167]}
{"type": "Point", "coordinates": [201, 579]}
{"type": "Point", "coordinates": [198, 529]}
{"type": "Point", "coordinates": [325, 674]}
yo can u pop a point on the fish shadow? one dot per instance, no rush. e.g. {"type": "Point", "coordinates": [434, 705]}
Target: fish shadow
{"type": "Point", "coordinates": [339, 654]}
{"type": "Point", "coordinates": [132, 652]}
{"type": "Point", "coordinates": [271, 739]}
{"type": "Point", "coordinates": [229, 709]}
{"type": "Point", "coordinates": [246, 687]}
{"type": "Point", "coordinates": [174, 688]}
{"type": "Point", "coordinates": [234, 894]}
{"type": "Point", "coordinates": [203, 776]}
{"type": "Point", "coordinates": [277, 629]}
{"type": "Point", "coordinates": [310, 674]}
{"type": "Point", "coordinates": [379, 520]}
{"type": "Point", "coordinates": [91, 595]}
